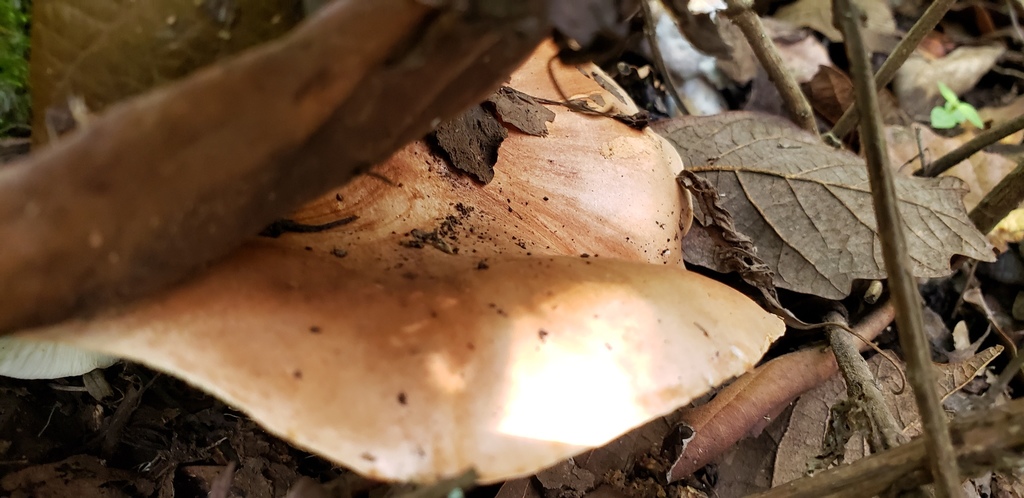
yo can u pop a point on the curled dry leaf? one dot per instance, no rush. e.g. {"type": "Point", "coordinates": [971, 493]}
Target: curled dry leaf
{"type": "Point", "coordinates": [748, 406]}
{"type": "Point", "coordinates": [744, 407]}
{"type": "Point", "coordinates": [452, 325]}
{"type": "Point", "coordinates": [808, 208]}
{"type": "Point", "coordinates": [830, 92]}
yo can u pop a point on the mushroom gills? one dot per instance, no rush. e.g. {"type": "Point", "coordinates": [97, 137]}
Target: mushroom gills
{"type": "Point", "coordinates": [35, 359]}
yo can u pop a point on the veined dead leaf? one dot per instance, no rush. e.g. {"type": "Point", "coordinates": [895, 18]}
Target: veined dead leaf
{"type": "Point", "coordinates": [453, 325]}
{"type": "Point", "coordinates": [105, 50]}
{"type": "Point", "coordinates": [808, 206]}
{"type": "Point", "coordinates": [981, 172]}
{"type": "Point", "coordinates": [803, 439]}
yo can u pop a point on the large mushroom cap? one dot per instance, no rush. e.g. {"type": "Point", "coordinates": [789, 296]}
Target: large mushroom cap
{"type": "Point", "coordinates": [454, 325]}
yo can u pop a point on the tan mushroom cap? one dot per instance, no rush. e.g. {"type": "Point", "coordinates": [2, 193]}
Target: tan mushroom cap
{"type": "Point", "coordinates": [414, 363]}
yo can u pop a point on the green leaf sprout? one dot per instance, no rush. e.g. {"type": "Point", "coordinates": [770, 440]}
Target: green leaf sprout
{"type": "Point", "coordinates": [954, 112]}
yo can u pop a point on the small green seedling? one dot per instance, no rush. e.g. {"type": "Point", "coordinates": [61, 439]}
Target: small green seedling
{"type": "Point", "coordinates": [954, 112]}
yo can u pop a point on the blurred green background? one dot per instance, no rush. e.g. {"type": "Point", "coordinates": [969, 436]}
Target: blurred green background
{"type": "Point", "coordinates": [15, 109]}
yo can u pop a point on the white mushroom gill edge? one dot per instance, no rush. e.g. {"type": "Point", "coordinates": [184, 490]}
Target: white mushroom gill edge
{"type": "Point", "coordinates": [34, 359]}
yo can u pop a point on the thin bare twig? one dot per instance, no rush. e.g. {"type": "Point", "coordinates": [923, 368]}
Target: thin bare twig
{"type": "Point", "coordinates": [651, 30]}
{"type": "Point", "coordinates": [1014, 21]}
{"type": "Point", "coordinates": [861, 385]}
{"type": "Point", "coordinates": [768, 55]}
{"type": "Point", "coordinates": [899, 55]}
{"type": "Point", "coordinates": [997, 387]}
{"type": "Point", "coordinates": [904, 290]}
{"type": "Point", "coordinates": [968, 149]}
{"type": "Point", "coordinates": [1003, 198]}
{"type": "Point", "coordinates": [987, 439]}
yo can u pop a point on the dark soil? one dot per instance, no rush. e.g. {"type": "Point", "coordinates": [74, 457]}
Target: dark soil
{"type": "Point", "coordinates": [154, 437]}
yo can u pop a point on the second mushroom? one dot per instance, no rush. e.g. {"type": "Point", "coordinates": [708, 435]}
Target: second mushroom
{"type": "Point", "coordinates": [452, 325]}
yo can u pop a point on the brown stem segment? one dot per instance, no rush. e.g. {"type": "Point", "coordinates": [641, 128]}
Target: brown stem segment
{"type": "Point", "coordinates": [974, 145]}
{"type": "Point", "coordinates": [1006, 196]}
{"type": "Point", "coordinates": [902, 284]}
{"type": "Point", "coordinates": [768, 55]}
{"type": "Point", "coordinates": [164, 183]}
{"type": "Point", "coordinates": [860, 383]}
{"type": "Point", "coordinates": [931, 17]}
{"type": "Point", "coordinates": [651, 31]}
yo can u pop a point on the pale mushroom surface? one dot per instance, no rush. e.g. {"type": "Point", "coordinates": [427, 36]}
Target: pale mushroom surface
{"type": "Point", "coordinates": [548, 313]}
{"type": "Point", "coordinates": [26, 359]}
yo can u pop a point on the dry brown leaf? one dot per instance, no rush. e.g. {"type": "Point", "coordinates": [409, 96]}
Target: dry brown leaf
{"type": "Point", "coordinates": [746, 469]}
{"type": "Point", "coordinates": [740, 409]}
{"type": "Point", "coordinates": [802, 54]}
{"type": "Point", "coordinates": [554, 321]}
{"type": "Point", "coordinates": [981, 172]}
{"type": "Point", "coordinates": [808, 206]}
{"type": "Point", "coordinates": [1002, 114]}
{"type": "Point", "coordinates": [936, 44]}
{"type": "Point", "coordinates": [952, 377]}
{"type": "Point", "coordinates": [742, 65]}
{"type": "Point", "coordinates": [799, 48]}
{"type": "Point", "coordinates": [916, 81]}
{"type": "Point", "coordinates": [803, 439]}
{"type": "Point", "coordinates": [830, 92]}
{"type": "Point", "coordinates": [521, 111]}
{"type": "Point", "coordinates": [105, 50]}
{"type": "Point", "coordinates": [879, 25]}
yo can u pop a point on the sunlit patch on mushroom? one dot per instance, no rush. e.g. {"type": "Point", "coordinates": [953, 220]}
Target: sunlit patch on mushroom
{"type": "Point", "coordinates": [422, 378]}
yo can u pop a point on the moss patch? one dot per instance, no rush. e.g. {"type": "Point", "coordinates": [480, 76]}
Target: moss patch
{"type": "Point", "coordinates": [15, 109]}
